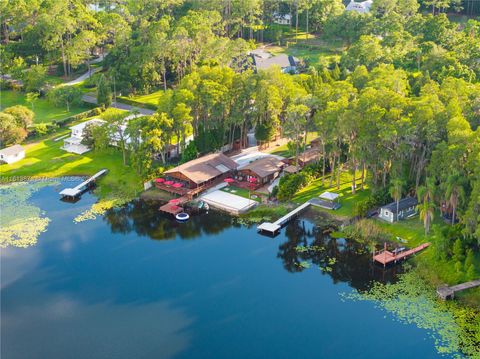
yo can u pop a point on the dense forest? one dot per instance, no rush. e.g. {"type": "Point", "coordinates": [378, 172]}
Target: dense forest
{"type": "Point", "coordinates": [401, 102]}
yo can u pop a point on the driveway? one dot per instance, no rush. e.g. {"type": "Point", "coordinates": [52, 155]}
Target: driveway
{"type": "Point", "coordinates": [119, 105]}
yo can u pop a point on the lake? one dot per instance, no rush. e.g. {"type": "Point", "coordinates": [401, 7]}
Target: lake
{"type": "Point", "coordinates": [134, 284]}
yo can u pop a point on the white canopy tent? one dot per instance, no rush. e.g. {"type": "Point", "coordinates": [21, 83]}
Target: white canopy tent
{"type": "Point", "coordinates": [329, 196]}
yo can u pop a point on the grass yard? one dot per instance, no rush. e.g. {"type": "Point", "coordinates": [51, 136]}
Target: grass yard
{"type": "Point", "coordinates": [347, 199]}
{"type": "Point", "coordinates": [46, 159]}
{"type": "Point", "coordinates": [242, 192]}
{"type": "Point", "coordinates": [148, 100]}
{"type": "Point", "coordinates": [314, 50]}
{"type": "Point", "coordinates": [45, 112]}
{"type": "Point", "coordinates": [283, 149]}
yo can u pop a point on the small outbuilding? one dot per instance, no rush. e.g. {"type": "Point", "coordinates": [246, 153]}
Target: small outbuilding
{"type": "Point", "coordinates": [407, 207]}
{"type": "Point", "coordinates": [12, 154]}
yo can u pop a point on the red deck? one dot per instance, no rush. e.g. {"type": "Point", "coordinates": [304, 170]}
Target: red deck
{"type": "Point", "coordinates": [385, 257]}
{"type": "Point", "coordinates": [174, 208]}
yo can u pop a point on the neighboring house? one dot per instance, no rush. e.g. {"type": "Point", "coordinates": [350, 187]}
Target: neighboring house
{"type": "Point", "coordinates": [287, 63]}
{"type": "Point", "coordinates": [203, 171]}
{"type": "Point", "coordinates": [308, 157]}
{"type": "Point", "coordinates": [280, 19]}
{"type": "Point", "coordinates": [406, 208]}
{"type": "Point", "coordinates": [12, 154]}
{"type": "Point", "coordinates": [74, 144]}
{"type": "Point", "coordinates": [360, 7]}
{"type": "Point", "coordinates": [265, 169]}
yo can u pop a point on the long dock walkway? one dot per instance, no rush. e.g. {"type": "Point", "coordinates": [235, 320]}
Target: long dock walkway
{"type": "Point", "coordinates": [386, 257]}
{"type": "Point", "coordinates": [449, 292]}
{"type": "Point", "coordinates": [77, 190]}
{"type": "Point", "coordinates": [273, 228]}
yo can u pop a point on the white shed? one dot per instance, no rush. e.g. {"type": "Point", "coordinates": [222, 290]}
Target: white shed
{"type": "Point", "coordinates": [12, 154]}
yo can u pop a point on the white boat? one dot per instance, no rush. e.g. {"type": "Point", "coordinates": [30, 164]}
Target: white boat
{"type": "Point", "coordinates": [182, 216]}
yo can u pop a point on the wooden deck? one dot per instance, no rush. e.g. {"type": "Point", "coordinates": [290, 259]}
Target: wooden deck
{"type": "Point", "coordinates": [386, 257]}
{"type": "Point", "coordinates": [449, 292]}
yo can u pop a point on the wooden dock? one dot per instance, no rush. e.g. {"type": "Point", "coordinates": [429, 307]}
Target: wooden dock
{"type": "Point", "coordinates": [386, 257]}
{"type": "Point", "coordinates": [173, 208]}
{"type": "Point", "coordinates": [447, 292]}
{"type": "Point", "coordinates": [273, 228]}
{"type": "Point", "coordinates": [79, 189]}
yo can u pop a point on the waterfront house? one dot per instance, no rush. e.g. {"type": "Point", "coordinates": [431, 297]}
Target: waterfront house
{"type": "Point", "coordinates": [264, 170]}
{"type": "Point", "coordinates": [12, 154]}
{"type": "Point", "coordinates": [203, 172]}
{"type": "Point", "coordinates": [74, 143]}
{"type": "Point", "coordinates": [407, 207]}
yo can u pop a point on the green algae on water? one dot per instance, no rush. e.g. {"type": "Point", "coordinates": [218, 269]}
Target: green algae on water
{"type": "Point", "coordinates": [21, 222]}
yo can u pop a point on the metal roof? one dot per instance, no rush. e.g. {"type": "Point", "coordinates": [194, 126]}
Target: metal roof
{"type": "Point", "coordinates": [402, 204]}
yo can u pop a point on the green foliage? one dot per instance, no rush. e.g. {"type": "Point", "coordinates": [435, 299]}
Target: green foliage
{"type": "Point", "coordinates": [366, 231]}
{"type": "Point", "coordinates": [190, 152]}
{"type": "Point", "coordinates": [23, 116]}
{"type": "Point", "coordinates": [65, 96]}
{"type": "Point", "coordinates": [104, 92]}
{"type": "Point", "coordinates": [11, 132]}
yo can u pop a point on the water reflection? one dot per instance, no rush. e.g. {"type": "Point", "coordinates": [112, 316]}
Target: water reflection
{"type": "Point", "coordinates": [144, 218]}
{"type": "Point", "coordinates": [344, 260]}
{"type": "Point", "coordinates": [352, 260]}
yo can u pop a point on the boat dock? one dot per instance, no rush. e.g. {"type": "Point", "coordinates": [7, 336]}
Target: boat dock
{"type": "Point", "coordinates": [386, 257]}
{"type": "Point", "coordinates": [274, 228]}
{"type": "Point", "coordinates": [78, 190]}
{"type": "Point", "coordinates": [447, 292]}
{"type": "Point", "coordinates": [173, 208]}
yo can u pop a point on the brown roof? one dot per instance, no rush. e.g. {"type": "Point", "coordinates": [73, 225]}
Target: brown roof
{"type": "Point", "coordinates": [205, 168]}
{"type": "Point", "coordinates": [264, 166]}
{"type": "Point", "coordinates": [291, 169]}
{"type": "Point", "coordinates": [309, 155]}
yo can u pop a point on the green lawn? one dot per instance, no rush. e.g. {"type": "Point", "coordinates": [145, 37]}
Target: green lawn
{"type": "Point", "coordinates": [242, 192]}
{"type": "Point", "coordinates": [46, 159]}
{"type": "Point", "coordinates": [347, 199]}
{"type": "Point", "coordinates": [283, 150]}
{"type": "Point", "coordinates": [149, 100]}
{"type": "Point", "coordinates": [45, 112]}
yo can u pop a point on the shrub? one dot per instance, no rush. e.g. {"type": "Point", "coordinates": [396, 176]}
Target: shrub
{"type": "Point", "coordinates": [366, 230]}
{"type": "Point", "coordinates": [291, 184]}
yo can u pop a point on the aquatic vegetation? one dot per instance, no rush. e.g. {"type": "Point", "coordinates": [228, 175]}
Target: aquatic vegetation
{"type": "Point", "coordinates": [303, 249]}
{"type": "Point", "coordinates": [101, 207]}
{"type": "Point", "coordinates": [411, 300]}
{"type": "Point", "coordinates": [304, 264]}
{"type": "Point", "coordinates": [21, 222]}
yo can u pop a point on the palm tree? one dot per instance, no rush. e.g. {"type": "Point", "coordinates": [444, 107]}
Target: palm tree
{"type": "Point", "coordinates": [396, 191]}
{"type": "Point", "coordinates": [426, 209]}
{"type": "Point", "coordinates": [455, 193]}
{"type": "Point", "coordinates": [427, 206]}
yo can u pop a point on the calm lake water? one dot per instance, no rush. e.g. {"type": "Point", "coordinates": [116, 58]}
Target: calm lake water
{"type": "Point", "coordinates": [137, 285]}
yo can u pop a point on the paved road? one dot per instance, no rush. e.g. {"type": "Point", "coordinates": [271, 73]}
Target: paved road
{"type": "Point", "coordinates": [119, 105]}
{"type": "Point", "coordinates": [83, 77]}
{"type": "Point", "coordinates": [87, 74]}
